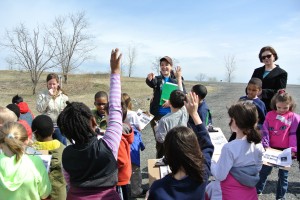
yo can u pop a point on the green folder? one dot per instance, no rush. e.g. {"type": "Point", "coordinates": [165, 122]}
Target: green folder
{"type": "Point", "coordinates": [167, 88]}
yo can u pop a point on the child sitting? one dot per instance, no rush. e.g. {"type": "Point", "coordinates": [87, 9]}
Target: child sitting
{"type": "Point", "coordinates": [25, 112]}
{"type": "Point", "coordinates": [6, 115]}
{"type": "Point", "coordinates": [203, 109]}
{"type": "Point", "coordinates": [42, 127]}
{"type": "Point", "coordinates": [22, 176]}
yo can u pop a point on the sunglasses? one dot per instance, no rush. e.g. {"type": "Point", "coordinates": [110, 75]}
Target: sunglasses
{"type": "Point", "coordinates": [267, 56]}
{"type": "Point", "coordinates": [100, 104]}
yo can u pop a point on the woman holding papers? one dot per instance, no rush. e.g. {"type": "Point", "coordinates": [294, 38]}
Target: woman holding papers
{"type": "Point", "coordinates": [158, 106]}
{"type": "Point", "coordinates": [237, 170]}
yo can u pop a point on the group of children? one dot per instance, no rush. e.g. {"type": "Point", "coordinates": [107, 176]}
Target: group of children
{"type": "Point", "coordinates": [107, 142]}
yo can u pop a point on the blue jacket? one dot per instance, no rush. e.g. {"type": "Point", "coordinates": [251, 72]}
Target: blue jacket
{"type": "Point", "coordinates": [204, 113]}
{"type": "Point", "coordinates": [135, 148]}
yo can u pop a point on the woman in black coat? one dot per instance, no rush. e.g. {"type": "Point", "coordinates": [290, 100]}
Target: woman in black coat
{"type": "Point", "coordinates": [273, 77]}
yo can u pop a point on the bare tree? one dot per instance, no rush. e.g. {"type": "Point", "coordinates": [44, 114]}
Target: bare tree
{"type": "Point", "coordinates": [30, 52]}
{"type": "Point", "coordinates": [201, 77]}
{"type": "Point", "coordinates": [74, 43]}
{"type": "Point", "coordinates": [156, 65]}
{"type": "Point", "coordinates": [230, 66]}
{"type": "Point", "coordinates": [131, 58]}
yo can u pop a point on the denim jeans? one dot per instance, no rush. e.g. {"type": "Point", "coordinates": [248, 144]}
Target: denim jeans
{"type": "Point", "coordinates": [282, 184]}
{"type": "Point", "coordinates": [57, 135]}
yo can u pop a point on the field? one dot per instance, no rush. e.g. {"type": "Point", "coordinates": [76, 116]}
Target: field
{"type": "Point", "coordinates": [83, 87]}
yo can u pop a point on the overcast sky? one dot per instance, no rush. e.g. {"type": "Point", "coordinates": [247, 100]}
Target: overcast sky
{"type": "Point", "coordinates": [199, 34]}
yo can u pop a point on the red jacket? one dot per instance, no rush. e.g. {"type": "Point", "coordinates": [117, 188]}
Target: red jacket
{"type": "Point", "coordinates": [124, 161]}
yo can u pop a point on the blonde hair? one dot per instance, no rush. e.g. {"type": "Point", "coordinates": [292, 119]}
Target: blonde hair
{"type": "Point", "coordinates": [127, 100]}
{"type": "Point", "coordinates": [14, 135]}
{"type": "Point", "coordinates": [7, 115]}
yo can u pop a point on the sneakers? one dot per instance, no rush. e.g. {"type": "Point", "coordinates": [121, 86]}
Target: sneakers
{"type": "Point", "coordinates": [141, 195]}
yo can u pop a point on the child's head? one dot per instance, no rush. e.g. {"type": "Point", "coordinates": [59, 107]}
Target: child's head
{"type": "Point", "coordinates": [77, 122]}
{"type": "Point", "coordinates": [13, 136]}
{"type": "Point", "coordinates": [7, 115]}
{"type": "Point", "coordinates": [17, 99]}
{"type": "Point", "coordinates": [14, 108]}
{"type": "Point", "coordinates": [282, 102]}
{"type": "Point", "coordinates": [101, 99]}
{"type": "Point", "coordinates": [177, 99]}
{"type": "Point", "coordinates": [182, 151]}
{"type": "Point", "coordinates": [127, 100]}
{"type": "Point", "coordinates": [200, 90]}
{"type": "Point", "coordinates": [166, 64]}
{"type": "Point", "coordinates": [244, 116]}
{"type": "Point", "coordinates": [42, 126]}
{"type": "Point", "coordinates": [253, 88]}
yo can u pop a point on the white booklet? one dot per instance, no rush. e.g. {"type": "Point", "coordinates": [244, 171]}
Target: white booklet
{"type": "Point", "coordinates": [277, 157]}
{"type": "Point", "coordinates": [144, 118]}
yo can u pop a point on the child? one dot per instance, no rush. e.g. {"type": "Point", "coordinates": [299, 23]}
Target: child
{"type": "Point", "coordinates": [42, 127]}
{"type": "Point", "coordinates": [90, 165]}
{"type": "Point", "coordinates": [177, 117]}
{"type": "Point", "coordinates": [101, 99]}
{"type": "Point", "coordinates": [131, 117]}
{"type": "Point", "coordinates": [135, 148]}
{"type": "Point", "coordinates": [6, 115]}
{"type": "Point", "coordinates": [279, 132]}
{"type": "Point", "coordinates": [25, 112]}
{"type": "Point", "coordinates": [254, 88]}
{"type": "Point", "coordinates": [124, 160]}
{"type": "Point", "coordinates": [203, 109]}
{"type": "Point", "coordinates": [16, 110]}
{"type": "Point", "coordinates": [237, 170]}
{"type": "Point", "coordinates": [21, 176]}
{"type": "Point", "coordinates": [188, 155]}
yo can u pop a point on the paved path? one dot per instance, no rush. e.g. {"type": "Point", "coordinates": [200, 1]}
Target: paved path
{"type": "Point", "coordinates": [223, 95]}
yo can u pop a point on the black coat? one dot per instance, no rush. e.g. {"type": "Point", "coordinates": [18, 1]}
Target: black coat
{"type": "Point", "coordinates": [275, 80]}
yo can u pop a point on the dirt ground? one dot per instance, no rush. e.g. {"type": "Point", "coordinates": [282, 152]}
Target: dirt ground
{"type": "Point", "coordinates": [218, 100]}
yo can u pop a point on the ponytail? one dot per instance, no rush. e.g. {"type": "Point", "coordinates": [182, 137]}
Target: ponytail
{"type": "Point", "coordinates": [13, 135]}
{"type": "Point", "coordinates": [253, 136]}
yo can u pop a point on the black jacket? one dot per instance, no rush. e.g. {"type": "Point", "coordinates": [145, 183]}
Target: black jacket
{"type": "Point", "coordinates": [275, 80]}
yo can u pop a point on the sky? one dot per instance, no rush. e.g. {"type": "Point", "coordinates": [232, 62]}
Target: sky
{"type": "Point", "coordinates": [199, 34]}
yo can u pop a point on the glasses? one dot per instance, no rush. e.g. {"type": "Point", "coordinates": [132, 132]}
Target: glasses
{"type": "Point", "coordinates": [267, 56]}
{"type": "Point", "coordinates": [100, 104]}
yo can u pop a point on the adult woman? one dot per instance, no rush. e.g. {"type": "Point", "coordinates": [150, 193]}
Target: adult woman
{"type": "Point", "coordinates": [188, 155]}
{"type": "Point", "coordinates": [156, 83]}
{"type": "Point", "coordinates": [51, 102]}
{"type": "Point", "coordinates": [273, 77]}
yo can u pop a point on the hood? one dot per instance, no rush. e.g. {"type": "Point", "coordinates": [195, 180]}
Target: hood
{"type": "Point", "coordinates": [128, 133]}
{"type": "Point", "coordinates": [12, 174]}
{"type": "Point", "coordinates": [23, 107]}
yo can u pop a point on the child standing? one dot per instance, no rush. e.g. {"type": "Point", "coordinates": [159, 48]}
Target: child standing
{"type": "Point", "coordinates": [101, 100]}
{"type": "Point", "coordinates": [21, 176]}
{"type": "Point", "coordinates": [279, 132]}
{"type": "Point", "coordinates": [90, 165]}
{"type": "Point", "coordinates": [254, 88]}
{"type": "Point", "coordinates": [42, 127]}
{"type": "Point", "coordinates": [135, 148]}
{"type": "Point", "coordinates": [237, 170]}
{"type": "Point", "coordinates": [203, 109]}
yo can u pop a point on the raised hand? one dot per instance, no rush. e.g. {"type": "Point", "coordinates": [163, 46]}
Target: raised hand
{"type": "Point", "coordinates": [115, 61]}
{"type": "Point", "coordinates": [178, 72]}
{"type": "Point", "coordinates": [192, 106]}
{"type": "Point", "coordinates": [150, 76]}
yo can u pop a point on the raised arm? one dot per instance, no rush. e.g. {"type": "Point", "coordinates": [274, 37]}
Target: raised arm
{"type": "Point", "coordinates": [113, 133]}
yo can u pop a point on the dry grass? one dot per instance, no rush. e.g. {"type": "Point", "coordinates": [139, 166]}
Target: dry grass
{"type": "Point", "coordinates": [80, 87]}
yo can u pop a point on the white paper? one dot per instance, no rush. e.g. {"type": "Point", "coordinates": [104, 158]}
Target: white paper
{"type": "Point", "coordinates": [164, 170]}
{"type": "Point", "coordinates": [218, 140]}
{"type": "Point", "coordinates": [143, 118]}
{"type": "Point", "coordinates": [46, 160]}
{"type": "Point", "coordinates": [277, 157]}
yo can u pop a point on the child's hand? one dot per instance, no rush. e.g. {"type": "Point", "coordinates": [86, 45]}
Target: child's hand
{"type": "Point", "coordinates": [115, 61]}
{"type": "Point", "coordinates": [192, 106]}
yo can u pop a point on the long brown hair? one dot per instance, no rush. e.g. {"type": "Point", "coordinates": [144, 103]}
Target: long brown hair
{"type": "Point", "coordinates": [182, 151]}
{"type": "Point", "coordinates": [56, 77]}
